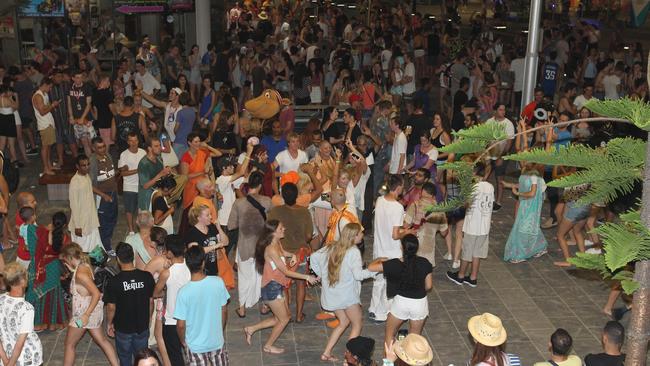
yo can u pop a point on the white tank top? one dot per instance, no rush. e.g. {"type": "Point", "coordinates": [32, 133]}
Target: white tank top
{"type": "Point", "coordinates": [170, 121]}
{"type": "Point", "coordinates": [47, 120]}
{"type": "Point", "coordinates": [179, 275]}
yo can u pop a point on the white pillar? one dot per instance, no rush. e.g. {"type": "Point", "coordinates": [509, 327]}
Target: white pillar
{"type": "Point", "coordinates": [532, 52]}
{"type": "Point", "coordinates": [203, 28]}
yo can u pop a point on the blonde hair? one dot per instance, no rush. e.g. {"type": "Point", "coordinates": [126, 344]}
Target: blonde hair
{"type": "Point", "coordinates": [195, 212]}
{"type": "Point", "coordinates": [74, 251]}
{"type": "Point", "coordinates": [13, 274]}
{"type": "Point", "coordinates": [338, 249]}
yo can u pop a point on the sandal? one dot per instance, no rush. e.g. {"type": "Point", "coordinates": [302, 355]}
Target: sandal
{"type": "Point", "coordinates": [328, 358]}
{"type": "Point", "coordinates": [543, 252]}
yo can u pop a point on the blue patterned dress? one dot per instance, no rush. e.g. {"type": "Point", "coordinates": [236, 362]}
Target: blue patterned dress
{"type": "Point", "coordinates": [526, 238]}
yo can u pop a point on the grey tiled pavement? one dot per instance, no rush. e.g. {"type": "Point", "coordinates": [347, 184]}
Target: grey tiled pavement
{"type": "Point", "coordinates": [532, 299]}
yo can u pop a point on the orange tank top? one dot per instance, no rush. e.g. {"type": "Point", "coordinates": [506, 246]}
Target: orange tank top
{"type": "Point", "coordinates": [272, 273]}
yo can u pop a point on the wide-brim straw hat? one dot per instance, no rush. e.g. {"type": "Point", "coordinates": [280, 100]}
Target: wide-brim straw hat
{"type": "Point", "coordinates": [414, 350]}
{"type": "Point", "coordinates": [487, 329]}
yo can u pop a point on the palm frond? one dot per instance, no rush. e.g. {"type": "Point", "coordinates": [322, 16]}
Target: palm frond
{"type": "Point", "coordinates": [636, 111]}
{"type": "Point", "coordinates": [475, 139]}
{"type": "Point", "coordinates": [622, 244]}
{"type": "Point", "coordinates": [594, 262]}
{"type": "Point", "coordinates": [579, 156]}
{"type": "Point", "coordinates": [628, 283]}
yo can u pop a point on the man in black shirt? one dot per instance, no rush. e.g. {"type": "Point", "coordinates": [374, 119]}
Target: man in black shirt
{"type": "Point", "coordinates": [129, 300]}
{"type": "Point", "coordinates": [79, 105]}
{"type": "Point", "coordinates": [613, 337]}
{"type": "Point", "coordinates": [460, 98]}
{"type": "Point", "coordinates": [419, 122]}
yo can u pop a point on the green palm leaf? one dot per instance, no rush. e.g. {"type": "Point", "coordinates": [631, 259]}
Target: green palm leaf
{"type": "Point", "coordinates": [636, 111]}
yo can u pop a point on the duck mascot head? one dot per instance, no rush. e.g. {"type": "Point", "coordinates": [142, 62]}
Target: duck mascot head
{"type": "Point", "coordinates": [267, 105]}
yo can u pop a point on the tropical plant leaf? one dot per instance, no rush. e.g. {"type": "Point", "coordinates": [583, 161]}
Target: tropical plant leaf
{"type": "Point", "coordinates": [627, 281]}
{"type": "Point", "coordinates": [622, 244]}
{"type": "Point", "coordinates": [594, 262]}
{"type": "Point", "coordinates": [636, 111]}
{"type": "Point", "coordinates": [475, 139]}
{"type": "Point", "coordinates": [580, 156]}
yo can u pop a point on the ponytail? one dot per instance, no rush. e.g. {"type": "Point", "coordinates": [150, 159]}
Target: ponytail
{"type": "Point", "coordinates": [410, 245]}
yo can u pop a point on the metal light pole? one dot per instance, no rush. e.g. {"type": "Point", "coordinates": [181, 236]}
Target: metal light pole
{"type": "Point", "coordinates": [532, 52]}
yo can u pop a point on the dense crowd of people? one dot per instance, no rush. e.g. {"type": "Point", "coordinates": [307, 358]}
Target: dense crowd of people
{"type": "Point", "coordinates": [218, 201]}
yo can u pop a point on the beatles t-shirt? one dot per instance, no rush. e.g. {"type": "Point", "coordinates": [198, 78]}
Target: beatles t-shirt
{"type": "Point", "coordinates": [130, 291]}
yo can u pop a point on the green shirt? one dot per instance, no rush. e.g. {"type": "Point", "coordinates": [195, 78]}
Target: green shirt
{"type": "Point", "coordinates": [147, 170]}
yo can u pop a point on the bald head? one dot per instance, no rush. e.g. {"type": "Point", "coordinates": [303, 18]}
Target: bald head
{"type": "Point", "coordinates": [338, 197]}
{"type": "Point", "coordinates": [204, 185]}
{"type": "Point", "coordinates": [26, 199]}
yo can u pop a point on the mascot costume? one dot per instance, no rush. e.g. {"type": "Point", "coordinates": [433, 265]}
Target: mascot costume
{"type": "Point", "coordinates": [267, 106]}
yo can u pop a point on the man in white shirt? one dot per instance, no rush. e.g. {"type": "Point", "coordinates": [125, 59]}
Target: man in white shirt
{"type": "Point", "coordinates": [408, 80]}
{"type": "Point", "coordinates": [149, 83]}
{"type": "Point", "coordinates": [517, 67]}
{"type": "Point", "coordinates": [229, 180]}
{"type": "Point", "coordinates": [290, 158]}
{"type": "Point", "coordinates": [503, 148]}
{"type": "Point", "coordinates": [128, 166]}
{"type": "Point", "coordinates": [582, 99]}
{"type": "Point", "coordinates": [398, 156]}
{"type": "Point", "coordinates": [388, 231]}
{"type": "Point", "coordinates": [476, 232]}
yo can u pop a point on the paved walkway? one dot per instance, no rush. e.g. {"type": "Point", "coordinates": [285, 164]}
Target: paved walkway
{"type": "Point", "coordinates": [531, 298]}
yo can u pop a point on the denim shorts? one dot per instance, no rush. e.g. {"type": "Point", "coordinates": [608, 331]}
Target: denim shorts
{"type": "Point", "coordinates": [272, 291]}
{"type": "Point", "coordinates": [575, 212]}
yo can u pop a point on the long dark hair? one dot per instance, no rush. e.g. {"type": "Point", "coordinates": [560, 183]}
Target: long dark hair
{"type": "Point", "coordinates": [410, 245]}
{"type": "Point", "coordinates": [265, 239]}
{"type": "Point", "coordinates": [483, 353]}
{"type": "Point", "coordinates": [59, 221]}
{"type": "Point", "coordinates": [299, 74]}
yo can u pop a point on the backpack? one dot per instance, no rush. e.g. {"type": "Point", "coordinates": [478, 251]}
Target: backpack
{"type": "Point", "coordinates": [10, 173]}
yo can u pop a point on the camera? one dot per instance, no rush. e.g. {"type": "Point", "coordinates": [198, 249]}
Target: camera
{"type": "Point", "coordinates": [543, 110]}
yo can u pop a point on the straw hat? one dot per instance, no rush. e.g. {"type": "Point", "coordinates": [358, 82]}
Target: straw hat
{"type": "Point", "coordinates": [414, 350]}
{"type": "Point", "coordinates": [487, 329]}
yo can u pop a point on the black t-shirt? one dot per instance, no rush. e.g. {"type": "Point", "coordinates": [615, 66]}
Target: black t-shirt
{"type": "Point", "coordinates": [458, 119]}
{"type": "Point", "coordinates": [125, 125]}
{"type": "Point", "coordinates": [102, 99]}
{"type": "Point", "coordinates": [393, 270]}
{"type": "Point", "coordinates": [194, 235]}
{"type": "Point", "coordinates": [78, 97]}
{"type": "Point", "coordinates": [131, 292]}
{"type": "Point", "coordinates": [603, 359]}
{"type": "Point", "coordinates": [420, 124]}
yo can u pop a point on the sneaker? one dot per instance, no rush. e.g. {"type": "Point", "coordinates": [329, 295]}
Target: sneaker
{"type": "Point", "coordinates": [589, 243]}
{"type": "Point", "coordinates": [31, 152]}
{"type": "Point", "coordinates": [594, 251]}
{"type": "Point", "coordinates": [373, 318]}
{"type": "Point", "coordinates": [549, 223]}
{"type": "Point", "coordinates": [453, 277]}
{"type": "Point", "coordinates": [469, 282]}
{"type": "Point", "coordinates": [456, 264]}
{"type": "Point", "coordinates": [447, 257]}
{"type": "Point", "coordinates": [111, 253]}
{"type": "Point", "coordinates": [496, 207]}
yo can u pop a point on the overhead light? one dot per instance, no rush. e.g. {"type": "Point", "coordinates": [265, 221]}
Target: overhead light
{"type": "Point", "coordinates": [312, 16]}
{"type": "Point", "coordinates": [626, 47]}
{"type": "Point", "coordinates": [449, 19]}
{"type": "Point", "coordinates": [432, 17]}
{"type": "Point", "coordinates": [352, 6]}
{"type": "Point", "coordinates": [524, 31]}
{"type": "Point", "coordinates": [340, 5]}
{"type": "Point", "coordinates": [500, 27]}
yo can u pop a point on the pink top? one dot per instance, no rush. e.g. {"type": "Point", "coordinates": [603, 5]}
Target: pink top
{"type": "Point", "coordinates": [272, 273]}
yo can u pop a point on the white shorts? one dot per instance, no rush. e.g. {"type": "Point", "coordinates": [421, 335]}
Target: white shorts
{"type": "Point", "coordinates": [405, 308]}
